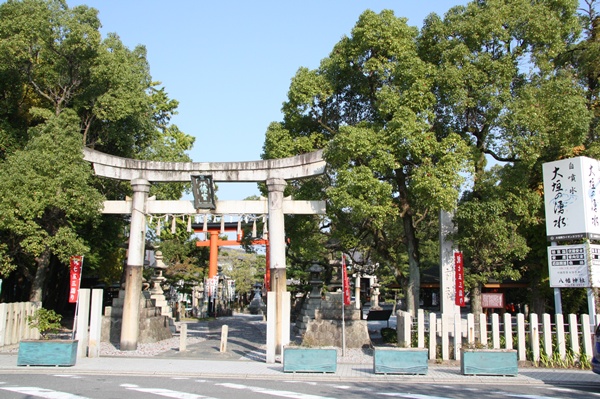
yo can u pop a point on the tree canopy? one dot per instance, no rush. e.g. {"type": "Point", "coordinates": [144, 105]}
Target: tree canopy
{"type": "Point", "coordinates": [62, 87]}
{"type": "Point", "coordinates": [471, 104]}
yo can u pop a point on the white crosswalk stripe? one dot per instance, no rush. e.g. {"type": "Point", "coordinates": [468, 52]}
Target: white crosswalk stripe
{"type": "Point", "coordinates": [43, 393]}
{"type": "Point", "coordinates": [524, 396]}
{"type": "Point", "coordinates": [165, 392]}
{"type": "Point", "coordinates": [274, 392]}
{"type": "Point", "coordinates": [410, 395]}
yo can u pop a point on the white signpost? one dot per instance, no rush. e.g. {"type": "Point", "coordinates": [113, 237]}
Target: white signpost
{"type": "Point", "coordinates": [573, 212]}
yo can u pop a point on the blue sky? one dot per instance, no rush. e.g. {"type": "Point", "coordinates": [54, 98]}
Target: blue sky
{"type": "Point", "coordinates": [230, 63]}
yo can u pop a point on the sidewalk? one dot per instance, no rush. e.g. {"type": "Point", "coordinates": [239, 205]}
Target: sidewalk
{"type": "Point", "coordinates": [244, 359]}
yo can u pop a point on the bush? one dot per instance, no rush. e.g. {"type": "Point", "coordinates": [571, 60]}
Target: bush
{"type": "Point", "coordinates": [46, 321]}
{"type": "Point", "coordinates": [389, 335]}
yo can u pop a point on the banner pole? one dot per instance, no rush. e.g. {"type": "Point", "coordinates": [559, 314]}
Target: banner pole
{"type": "Point", "coordinates": [344, 288]}
{"type": "Point", "coordinates": [77, 290]}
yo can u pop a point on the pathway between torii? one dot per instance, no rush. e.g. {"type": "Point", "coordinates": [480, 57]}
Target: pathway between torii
{"type": "Point", "coordinates": [274, 172]}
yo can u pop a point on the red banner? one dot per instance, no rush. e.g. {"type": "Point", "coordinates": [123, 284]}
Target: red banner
{"type": "Point", "coordinates": [346, 282]}
{"type": "Point", "coordinates": [75, 279]}
{"type": "Point", "coordinates": [459, 278]}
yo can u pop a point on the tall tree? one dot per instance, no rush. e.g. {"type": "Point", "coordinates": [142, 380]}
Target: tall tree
{"type": "Point", "coordinates": [496, 86]}
{"type": "Point", "coordinates": [369, 105]}
{"type": "Point", "coordinates": [53, 60]}
{"type": "Point", "coordinates": [47, 198]}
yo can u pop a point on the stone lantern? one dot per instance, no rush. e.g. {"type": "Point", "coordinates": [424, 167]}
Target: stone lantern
{"type": "Point", "coordinates": [315, 280]}
{"type": "Point", "coordinates": [156, 291]}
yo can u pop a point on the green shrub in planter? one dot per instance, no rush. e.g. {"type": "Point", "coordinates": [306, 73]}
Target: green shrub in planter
{"type": "Point", "coordinates": [46, 351]}
{"type": "Point", "coordinates": [46, 321]}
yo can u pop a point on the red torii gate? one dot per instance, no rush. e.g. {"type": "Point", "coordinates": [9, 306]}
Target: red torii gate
{"type": "Point", "coordinates": [214, 242]}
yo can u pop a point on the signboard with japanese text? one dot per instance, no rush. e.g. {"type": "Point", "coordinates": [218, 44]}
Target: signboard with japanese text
{"type": "Point", "coordinates": [459, 273]}
{"type": "Point", "coordinates": [76, 263]}
{"type": "Point", "coordinates": [574, 266]}
{"type": "Point", "coordinates": [492, 300]}
{"type": "Point", "coordinates": [571, 199]}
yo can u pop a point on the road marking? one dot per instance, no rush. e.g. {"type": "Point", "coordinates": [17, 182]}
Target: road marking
{"type": "Point", "coordinates": [169, 393]}
{"type": "Point", "coordinates": [274, 392]}
{"type": "Point", "coordinates": [341, 386]}
{"type": "Point", "coordinates": [43, 393]}
{"type": "Point", "coordinates": [301, 382]}
{"type": "Point", "coordinates": [569, 390]}
{"type": "Point", "coordinates": [516, 395]}
{"type": "Point", "coordinates": [411, 395]}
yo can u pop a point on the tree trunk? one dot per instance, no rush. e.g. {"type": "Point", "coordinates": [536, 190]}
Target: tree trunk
{"type": "Point", "coordinates": [414, 280]}
{"type": "Point", "coordinates": [37, 287]}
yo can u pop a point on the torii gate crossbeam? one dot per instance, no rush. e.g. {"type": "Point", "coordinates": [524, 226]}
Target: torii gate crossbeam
{"type": "Point", "coordinates": [273, 172]}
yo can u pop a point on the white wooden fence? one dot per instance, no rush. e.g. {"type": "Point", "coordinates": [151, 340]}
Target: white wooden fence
{"type": "Point", "coordinates": [540, 337]}
{"type": "Point", "coordinates": [13, 322]}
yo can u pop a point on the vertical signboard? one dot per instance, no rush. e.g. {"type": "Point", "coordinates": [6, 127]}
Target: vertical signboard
{"type": "Point", "coordinates": [571, 199]}
{"type": "Point", "coordinates": [76, 263]}
{"type": "Point", "coordinates": [459, 273]}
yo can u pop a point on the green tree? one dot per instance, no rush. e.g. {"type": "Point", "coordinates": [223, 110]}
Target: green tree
{"type": "Point", "coordinates": [369, 105]}
{"type": "Point", "coordinates": [246, 269]}
{"type": "Point", "coordinates": [47, 198]}
{"type": "Point", "coordinates": [497, 87]}
{"type": "Point", "coordinates": [53, 60]}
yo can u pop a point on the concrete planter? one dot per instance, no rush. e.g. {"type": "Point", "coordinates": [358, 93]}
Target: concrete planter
{"type": "Point", "coordinates": [400, 361]}
{"type": "Point", "coordinates": [488, 362]}
{"type": "Point", "coordinates": [309, 360]}
{"type": "Point", "coordinates": [51, 352]}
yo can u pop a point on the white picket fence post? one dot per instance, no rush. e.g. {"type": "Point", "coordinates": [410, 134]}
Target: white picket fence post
{"type": "Point", "coordinates": [574, 335]}
{"type": "Point", "coordinates": [547, 334]}
{"type": "Point", "coordinates": [432, 336]}
{"type": "Point", "coordinates": [521, 351]}
{"type": "Point", "coordinates": [508, 337]}
{"type": "Point", "coordinates": [560, 336]}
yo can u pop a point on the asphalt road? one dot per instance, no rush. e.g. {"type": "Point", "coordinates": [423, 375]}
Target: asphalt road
{"type": "Point", "coordinates": [66, 386]}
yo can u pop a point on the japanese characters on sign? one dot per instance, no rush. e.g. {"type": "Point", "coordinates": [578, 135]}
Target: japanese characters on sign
{"type": "Point", "coordinates": [345, 282]}
{"type": "Point", "coordinates": [203, 191]}
{"type": "Point", "coordinates": [211, 286]}
{"type": "Point", "coordinates": [492, 300]}
{"type": "Point", "coordinates": [574, 266]}
{"type": "Point", "coordinates": [459, 273]}
{"type": "Point", "coordinates": [76, 263]}
{"type": "Point", "coordinates": [570, 198]}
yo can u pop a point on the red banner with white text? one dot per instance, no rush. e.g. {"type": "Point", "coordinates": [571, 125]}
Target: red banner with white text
{"type": "Point", "coordinates": [76, 264]}
{"type": "Point", "coordinates": [459, 276]}
{"type": "Point", "coordinates": [346, 282]}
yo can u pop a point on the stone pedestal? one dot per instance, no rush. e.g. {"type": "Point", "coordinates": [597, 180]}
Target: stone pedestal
{"type": "Point", "coordinates": [307, 313]}
{"type": "Point", "coordinates": [326, 328]}
{"type": "Point", "coordinates": [153, 326]}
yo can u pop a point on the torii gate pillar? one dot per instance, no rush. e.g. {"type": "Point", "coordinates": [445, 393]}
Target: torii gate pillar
{"type": "Point", "coordinates": [278, 299]}
{"type": "Point", "coordinates": [135, 264]}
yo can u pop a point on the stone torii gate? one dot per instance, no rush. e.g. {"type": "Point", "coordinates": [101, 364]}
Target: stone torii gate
{"type": "Point", "coordinates": [274, 172]}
